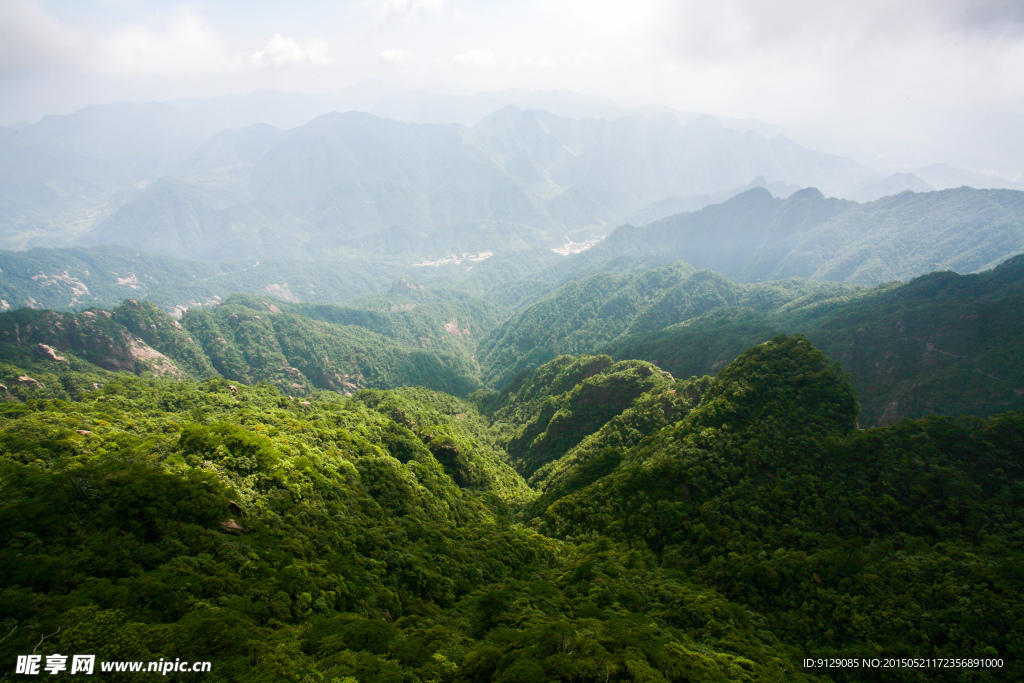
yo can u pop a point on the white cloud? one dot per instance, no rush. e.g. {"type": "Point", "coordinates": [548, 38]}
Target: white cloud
{"type": "Point", "coordinates": [851, 62]}
{"type": "Point", "coordinates": [185, 46]}
{"type": "Point", "coordinates": [30, 38]}
{"type": "Point", "coordinates": [395, 57]}
{"type": "Point", "coordinates": [476, 58]}
{"type": "Point", "coordinates": [407, 10]}
{"type": "Point", "coordinates": [282, 51]}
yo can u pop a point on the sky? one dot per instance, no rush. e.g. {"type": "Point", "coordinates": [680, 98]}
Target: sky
{"type": "Point", "coordinates": [844, 63]}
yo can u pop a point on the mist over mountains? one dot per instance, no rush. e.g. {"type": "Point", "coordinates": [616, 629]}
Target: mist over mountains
{"type": "Point", "coordinates": [355, 184]}
{"type": "Point", "coordinates": [180, 181]}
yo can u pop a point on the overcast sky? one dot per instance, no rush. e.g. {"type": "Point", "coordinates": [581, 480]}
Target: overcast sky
{"type": "Point", "coordinates": [784, 60]}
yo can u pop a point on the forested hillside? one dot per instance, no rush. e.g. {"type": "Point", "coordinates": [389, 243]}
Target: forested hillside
{"type": "Point", "coordinates": [431, 370]}
{"type": "Point", "coordinates": [725, 528]}
{"type": "Point", "coordinates": [942, 344]}
{"type": "Point", "coordinates": [246, 339]}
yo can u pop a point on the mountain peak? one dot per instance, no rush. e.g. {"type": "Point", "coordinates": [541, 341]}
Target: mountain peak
{"type": "Point", "coordinates": [784, 382]}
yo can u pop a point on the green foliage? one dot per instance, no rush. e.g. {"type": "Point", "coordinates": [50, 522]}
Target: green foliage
{"type": "Point", "coordinates": [899, 542]}
{"type": "Point", "coordinates": [624, 315]}
{"type": "Point", "coordinates": [157, 518]}
{"type": "Point", "coordinates": [251, 340]}
{"type": "Point", "coordinates": [545, 413]}
{"type": "Point", "coordinates": [165, 334]}
{"type": "Point", "coordinates": [574, 319]}
{"type": "Point", "coordinates": [943, 343]}
{"type": "Point", "coordinates": [716, 528]}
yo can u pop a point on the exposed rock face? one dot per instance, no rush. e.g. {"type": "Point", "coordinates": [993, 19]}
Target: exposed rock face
{"type": "Point", "coordinates": [26, 381]}
{"type": "Point", "coordinates": [152, 359]}
{"type": "Point", "coordinates": [281, 291]}
{"type": "Point", "coordinates": [46, 351]}
{"type": "Point", "coordinates": [402, 285]}
{"type": "Point", "coordinates": [452, 327]}
{"type": "Point", "coordinates": [233, 527]}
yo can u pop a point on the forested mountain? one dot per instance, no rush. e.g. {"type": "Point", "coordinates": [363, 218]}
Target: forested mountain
{"type": "Point", "coordinates": [249, 340]}
{"type": "Point", "coordinates": [590, 314]}
{"type": "Point", "coordinates": [725, 528]}
{"type": "Point", "coordinates": [707, 448]}
{"type": "Point", "coordinates": [943, 343]}
{"type": "Point", "coordinates": [751, 237]}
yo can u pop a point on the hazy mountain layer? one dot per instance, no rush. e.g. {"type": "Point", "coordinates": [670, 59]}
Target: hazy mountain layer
{"type": "Point", "coordinates": [105, 276]}
{"type": "Point", "coordinates": [357, 184]}
{"type": "Point", "coordinates": [756, 236]}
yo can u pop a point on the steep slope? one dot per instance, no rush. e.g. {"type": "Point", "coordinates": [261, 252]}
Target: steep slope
{"type": "Point", "coordinates": [941, 344]}
{"type": "Point", "coordinates": [162, 332]}
{"type": "Point", "coordinates": [251, 340]}
{"type": "Point", "coordinates": [574, 319]}
{"type": "Point", "coordinates": [545, 413]}
{"type": "Point", "coordinates": [92, 335]}
{"type": "Point", "coordinates": [766, 492]}
{"type": "Point", "coordinates": [590, 314]}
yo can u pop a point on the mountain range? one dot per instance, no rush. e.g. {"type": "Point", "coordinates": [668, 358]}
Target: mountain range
{"type": "Point", "coordinates": [941, 343]}
{"type": "Point", "coordinates": [166, 180]}
{"type": "Point", "coordinates": [456, 389]}
{"type": "Point", "coordinates": [750, 237]}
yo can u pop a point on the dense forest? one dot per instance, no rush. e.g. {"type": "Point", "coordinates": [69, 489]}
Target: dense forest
{"type": "Point", "coordinates": [596, 520]}
{"type": "Point", "coordinates": [605, 468]}
{"type": "Point", "coordinates": [391, 379]}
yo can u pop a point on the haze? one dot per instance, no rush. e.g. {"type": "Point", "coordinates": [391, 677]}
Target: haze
{"type": "Point", "coordinates": [901, 84]}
